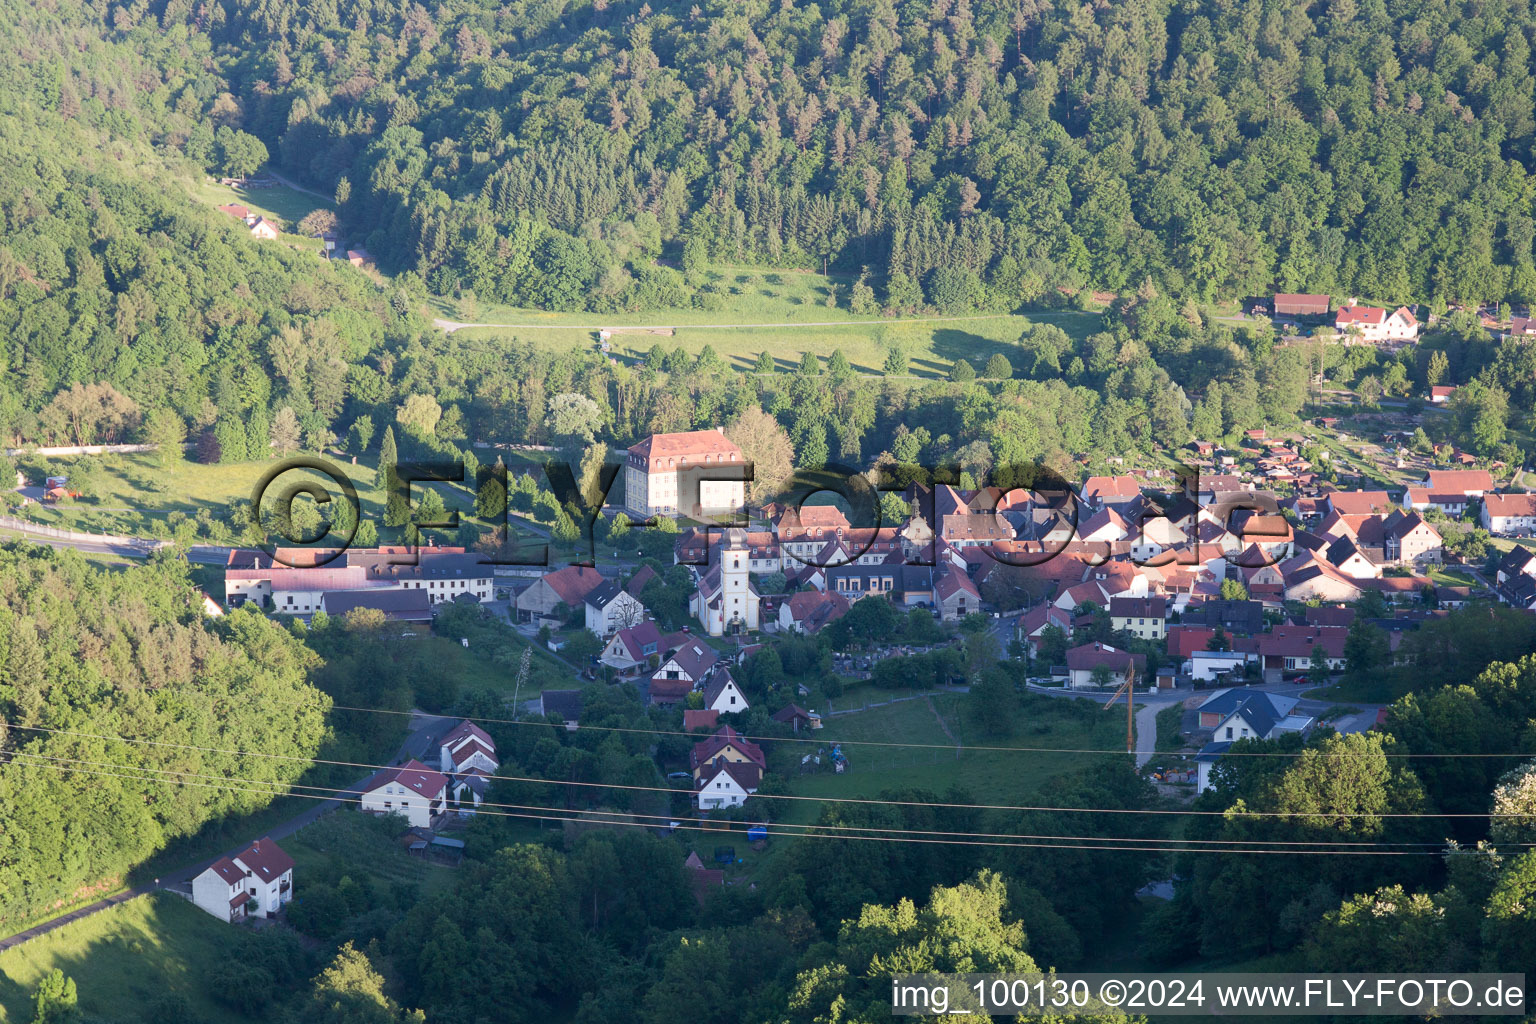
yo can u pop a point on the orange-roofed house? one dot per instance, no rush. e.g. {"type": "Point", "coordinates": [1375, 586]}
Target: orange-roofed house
{"type": "Point", "coordinates": [1374, 324]}
{"type": "Point", "coordinates": [659, 475]}
{"type": "Point", "coordinates": [412, 790]}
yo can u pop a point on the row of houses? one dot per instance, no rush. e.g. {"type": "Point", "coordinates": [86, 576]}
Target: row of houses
{"type": "Point", "coordinates": [403, 583]}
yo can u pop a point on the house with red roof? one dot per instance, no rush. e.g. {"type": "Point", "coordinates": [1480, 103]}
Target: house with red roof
{"type": "Point", "coordinates": [729, 745]}
{"type": "Point", "coordinates": [411, 790]}
{"type": "Point", "coordinates": [668, 474]}
{"type": "Point", "coordinates": [256, 882]}
{"type": "Point", "coordinates": [727, 783]}
{"type": "Point", "coordinates": [468, 746]}
{"type": "Point", "coordinates": [568, 586]}
{"type": "Point", "coordinates": [1376, 325]}
{"type": "Point", "coordinates": [632, 648]}
{"type": "Point", "coordinates": [1110, 490]}
{"type": "Point", "coordinates": [955, 596]}
{"type": "Point", "coordinates": [809, 610]}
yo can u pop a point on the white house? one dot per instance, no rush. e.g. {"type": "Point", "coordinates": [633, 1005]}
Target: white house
{"type": "Point", "coordinates": [1204, 666]}
{"type": "Point", "coordinates": [413, 790]}
{"type": "Point", "coordinates": [722, 694]}
{"type": "Point", "coordinates": [725, 783]}
{"type": "Point", "coordinates": [1509, 514]}
{"type": "Point", "coordinates": [1375, 324]}
{"type": "Point", "coordinates": [632, 647]}
{"type": "Point", "coordinates": [467, 746]}
{"type": "Point", "coordinates": [611, 608]}
{"type": "Point", "coordinates": [256, 882]}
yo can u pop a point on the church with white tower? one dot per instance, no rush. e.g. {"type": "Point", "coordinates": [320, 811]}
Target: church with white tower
{"type": "Point", "coordinates": [726, 601]}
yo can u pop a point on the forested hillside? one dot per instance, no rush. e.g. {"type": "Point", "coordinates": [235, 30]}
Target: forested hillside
{"type": "Point", "coordinates": [966, 153]}
{"type": "Point", "coordinates": [109, 685]}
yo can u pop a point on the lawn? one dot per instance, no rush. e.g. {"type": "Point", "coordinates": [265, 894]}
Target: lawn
{"type": "Point", "coordinates": [280, 203]}
{"type": "Point", "coordinates": [137, 495]}
{"type": "Point", "coordinates": [123, 960]}
{"type": "Point", "coordinates": [989, 776]}
{"type": "Point", "coordinates": [782, 312]}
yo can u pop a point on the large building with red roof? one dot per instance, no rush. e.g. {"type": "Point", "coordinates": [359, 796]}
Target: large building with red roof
{"type": "Point", "coordinates": [670, 474]}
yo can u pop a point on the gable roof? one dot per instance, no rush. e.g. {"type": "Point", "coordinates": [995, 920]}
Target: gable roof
{"type": "Point", "coordinates": [790, 712]}
{"type": "Point", "coordinates": [700, 718]}
{"type": "Point", "coordinates": [1098, 488]}
{"type": "Point", "coordinates": [226, 869]}
{"type": "Point", "coordinates": [413, 775]}
{"type": "Point", "coordinates": [637, 582]}
{"type": "Point", "coordinates": [467, 730]}
{"type": "Point", "coordinates": [1459, 481]}
{"type": "Point", "coordinates": [635, 639]}
{"type": "Point", "coordinates": [573, 583]}
{"type": "Point", "coordinates": [706, 750]}
{"type": "Point", "coordinates": [718, 680]}
{"type": "Point", "coordinates": [1090, 656]}
{"type": "Point", "coordinates": [266, 859]}
{"type": "Point", "coordinates": [744, 773]}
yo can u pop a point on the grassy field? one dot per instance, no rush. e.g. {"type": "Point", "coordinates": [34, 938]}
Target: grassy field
{"type": "Point", "coordinates": [990, 776]}
{"type": "Point", "coordinates": [785, 313]}
{"type": "Point", "coordinates": [123, 960]}
{"type": "Point", "coordinates": [138, 495]}
{"type": "Point", "coordinates": [280, 203]}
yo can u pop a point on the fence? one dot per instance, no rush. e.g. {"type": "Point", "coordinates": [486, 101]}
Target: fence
{"type": "Point", "coordinates": [84, 449]}
{"type": "Point", "coordinates": [59, 533]}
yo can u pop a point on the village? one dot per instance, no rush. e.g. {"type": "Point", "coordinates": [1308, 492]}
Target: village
{"type": "Point", "coordinates": [1235, 590]}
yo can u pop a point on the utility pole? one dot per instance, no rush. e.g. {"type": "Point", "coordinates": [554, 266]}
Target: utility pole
{"type": "Point", "coordinates": [1130, 707]}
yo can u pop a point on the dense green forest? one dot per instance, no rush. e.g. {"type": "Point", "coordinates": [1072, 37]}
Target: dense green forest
{"type": "Point", "coordinates": [106, 669]}
{"type": "Point", "coordinates": [960, 153]}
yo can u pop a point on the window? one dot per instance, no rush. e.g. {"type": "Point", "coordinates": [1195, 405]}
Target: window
{"type": "Point", "coordinates": [1229, 732]}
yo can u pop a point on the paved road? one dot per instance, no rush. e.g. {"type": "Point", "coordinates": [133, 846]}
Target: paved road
{"type": "Point", "coordinates": [425, 729]}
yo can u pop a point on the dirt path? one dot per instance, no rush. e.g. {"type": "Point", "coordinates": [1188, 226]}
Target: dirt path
{"type": "Point", "coordinates": [449, 326]}
{"type": "Point", "coordinates": [944, 725]}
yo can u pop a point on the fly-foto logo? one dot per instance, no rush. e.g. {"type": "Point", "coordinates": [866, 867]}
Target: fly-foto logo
{"type": "Point", "coordinates": [1020, 515]}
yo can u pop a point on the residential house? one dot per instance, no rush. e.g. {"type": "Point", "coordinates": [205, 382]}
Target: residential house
{"type": "Point", "coordinates": [1100, 491]}
{"type": "Point", "coordinates": [610, 608]}
{"type": "Point", "coordinates": [1143, 617]}
{"type": "Point", "coordinates": [563, 704]}
{"type": "Point", "coordinates": [1440, 394]}
{"type": "Point", "coordinates": [809, 610]}
{"type": "Point", "coordinates": [660, 475]}
{"type": "Point", "coordinates": [721, 694]}
{"type": "Point", "coordinates": [568, 586]}
{"type": "Point", "coordinates": [1235, 617]}
{"type": "Point", "coordinates": [1377, 325]}
{"type": "Point", "coordinates": [697, 719]}
{"type": "Point", "coordinates": [265, 229]}
{"type": "Point", "coordinates": [1358, 503]}
{"type": "Point", "coordinates": [634, 647]}
{"type": "Point", "coordinates": [1205, 666]}
{"type": "Point", "coordinates": [1515, 577]}
{"type": "Point", "coordinates": [1235, 715]}
{"type": "Point", "coordinates": [726, 783]}
{"type": "Point", "coordinates": [681, 671]}
{"type": "Point", "coordinates": [1084, 661]}
{"type": "Point", "coordinates": [1031, 626]}
{"type": "Point", "coordinates": [412, 790]}
{"type": "Point", "coordinates": [467, 746]}
{"type": "Point", "coordinates": [1509, 515]}
{"type": "Point", "coordinates": [256, 882]}
{"type": "Point", "coordinates": [955, 595]}
{"type": "Point", "coordinates": [726, 744]}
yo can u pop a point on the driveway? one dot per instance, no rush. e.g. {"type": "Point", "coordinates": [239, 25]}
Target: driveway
{"type": "Point", "coordinates": [424, 730]}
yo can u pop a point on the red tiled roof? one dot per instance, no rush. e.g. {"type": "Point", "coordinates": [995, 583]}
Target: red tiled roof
{"type": "Point", "coordinates": [705, 751]}
{"type": "Point", "coordinates": [700, 718]}
{"type": "Point", "coordinates": [413, 775]}
{"type": "Point", "coordinates": [573, 583]}
{"type": "Point", "coordinates": [266, 859]}
{"type": "Point", "coordinates": [692, 442]}
{"type": "Point", "coordinates": [1368, 315]}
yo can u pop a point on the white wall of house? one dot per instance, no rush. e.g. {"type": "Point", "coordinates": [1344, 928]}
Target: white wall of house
{"type": "Point", "coordinates": [721, 791]}
{"type": "Point", "coordinates": [622, 612]}
{"type": "Point", "coordinates": [393, 798]}
{"type": "Point", "coordinates": [211, 893]}
{"type": "Point", "coordinates": [1204, 666]}
{"type": "Point", "coordinates": [730, 699]}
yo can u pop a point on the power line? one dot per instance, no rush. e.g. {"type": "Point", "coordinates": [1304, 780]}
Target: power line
{"type": "Point", "coordinates": [791, 796]}
{"type": "Point", "coordinates": [823, 741]}
{"type": "Point", "coordinates": [685, 824]}
{"type": "Point", "coordinates": [350, 793]}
